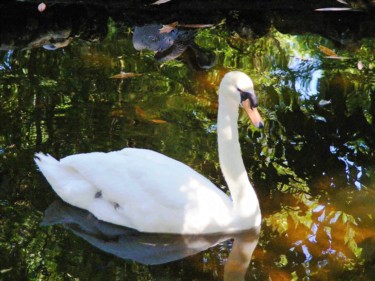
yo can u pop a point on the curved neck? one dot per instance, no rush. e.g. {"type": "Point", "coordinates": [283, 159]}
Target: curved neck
{"type": "Point", "coordinates": [245, 201]}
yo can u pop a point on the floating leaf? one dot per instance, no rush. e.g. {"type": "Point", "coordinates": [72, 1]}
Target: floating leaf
{"type": "Point", "coordinates": [168, 28]}
{"type": "Point", "coordinates": [159, 2]}
{"type": "Point", "coordinates": [327, 51]}
{"type": "Point", "coordinates": [124, 75]}
{"type": "Point", "coordinates": [336, 9]}
{"type": "Point", "coordinates": [196, 25]}
{"type": "Point", "coordinates": [158, 121]}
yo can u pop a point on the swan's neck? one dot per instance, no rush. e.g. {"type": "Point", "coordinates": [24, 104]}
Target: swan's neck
{"type": "Point", "coordinates": [245, 201]}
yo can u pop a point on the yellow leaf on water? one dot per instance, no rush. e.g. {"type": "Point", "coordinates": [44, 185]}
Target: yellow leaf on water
{"type": "Point", "coordinates": [168, 28]}
{"type": "Point", "coordinates": [158, 121]}
{"type": "Point", "coordinates": [124, 75]}
{"type": "Point", "coordinates": [327, 51]}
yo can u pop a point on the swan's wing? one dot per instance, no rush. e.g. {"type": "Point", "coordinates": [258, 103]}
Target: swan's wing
{"type": "Point", "coordinates": [148, 191]}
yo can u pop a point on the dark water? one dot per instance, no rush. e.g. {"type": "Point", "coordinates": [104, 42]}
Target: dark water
{"type": "Point", "coordinates": [312, 165]}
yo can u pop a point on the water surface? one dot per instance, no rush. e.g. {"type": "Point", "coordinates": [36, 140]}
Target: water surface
{"type": "Point", "coordinates": [312, 165]}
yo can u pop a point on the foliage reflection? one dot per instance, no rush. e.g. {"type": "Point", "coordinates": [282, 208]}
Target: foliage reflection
{"type": "Point", "coordinates": [312, 165]}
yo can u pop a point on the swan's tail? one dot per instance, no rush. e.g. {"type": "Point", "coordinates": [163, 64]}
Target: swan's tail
{"type": "Point", "coordinates": [45, 163]}
{"type": "Point", "coordinates": [50, 168]}
{"type": "Point", "coordinates": [65, 181]}
{"type": "Point", "coordinates": [42, 159]}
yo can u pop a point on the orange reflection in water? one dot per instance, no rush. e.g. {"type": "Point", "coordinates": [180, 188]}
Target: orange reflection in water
{"type": "Point", "coordinates": [324, 236]}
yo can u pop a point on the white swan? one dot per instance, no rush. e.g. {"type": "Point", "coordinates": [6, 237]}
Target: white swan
{"type": "Point", "coordinates": [151, 192]}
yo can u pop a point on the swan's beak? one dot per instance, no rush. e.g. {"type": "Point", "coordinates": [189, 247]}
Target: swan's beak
{"type": "Point", "coordinates": [253, 114]}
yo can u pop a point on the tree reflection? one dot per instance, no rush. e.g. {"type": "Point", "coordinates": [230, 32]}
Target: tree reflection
{"type": "Point", "coordinates": [312, 165]}
{"type": "Point", "coordinates": [316, 153]}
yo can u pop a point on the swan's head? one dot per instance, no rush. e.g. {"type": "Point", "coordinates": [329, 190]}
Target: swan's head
{"type": "Point", "coordinates": [238, 87]}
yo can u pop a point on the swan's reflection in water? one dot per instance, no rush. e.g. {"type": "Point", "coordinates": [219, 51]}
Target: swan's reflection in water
{"type": "Point", "coordinates": [149, 248]}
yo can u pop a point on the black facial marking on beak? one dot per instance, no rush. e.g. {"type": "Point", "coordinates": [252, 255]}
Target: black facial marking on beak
{"type": "Point", "coordinates": [250, 96]}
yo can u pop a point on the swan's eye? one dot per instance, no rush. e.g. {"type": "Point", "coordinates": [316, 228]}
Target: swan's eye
{"type": "Point", "coordinates": [250, 96]}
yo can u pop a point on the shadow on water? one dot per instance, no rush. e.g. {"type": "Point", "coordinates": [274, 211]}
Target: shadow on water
{"type": "Point", "coordinates": [76, 78]}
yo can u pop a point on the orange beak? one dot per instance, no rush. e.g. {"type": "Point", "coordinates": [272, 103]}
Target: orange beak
{"type": "Point", "coordinates": [253, 114]}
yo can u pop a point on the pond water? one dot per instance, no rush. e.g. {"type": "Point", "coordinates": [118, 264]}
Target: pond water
{"type": "Point", "coordinates": [155, 86]}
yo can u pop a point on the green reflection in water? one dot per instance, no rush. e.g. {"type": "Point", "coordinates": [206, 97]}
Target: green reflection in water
{"type": "Point", "coordinates": [312, 165]}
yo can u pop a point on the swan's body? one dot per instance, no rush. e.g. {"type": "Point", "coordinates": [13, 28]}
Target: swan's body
{"type": "Point", "coordinates": [150, 192]}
